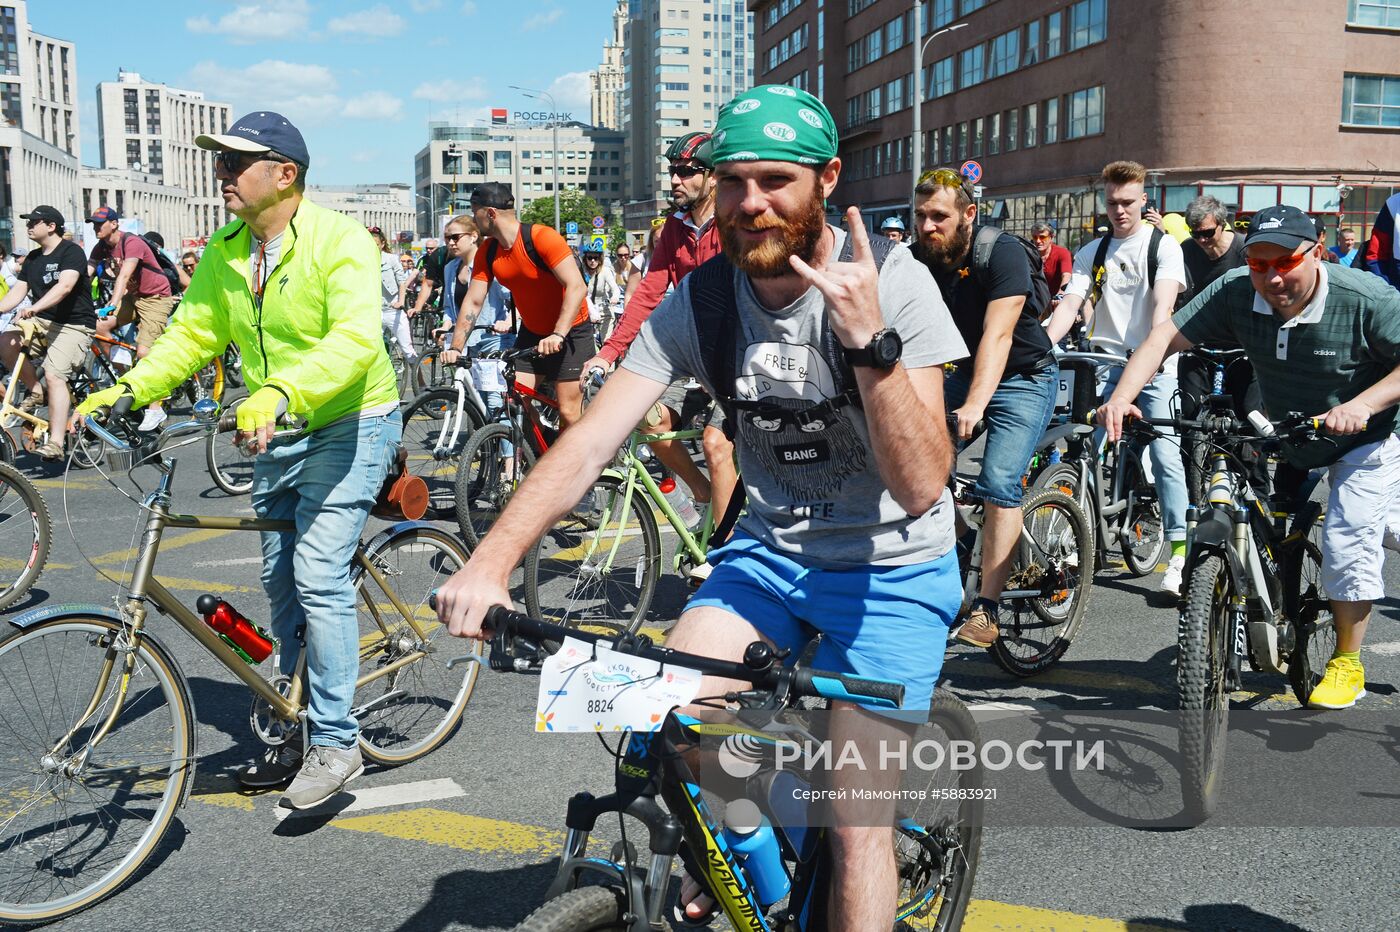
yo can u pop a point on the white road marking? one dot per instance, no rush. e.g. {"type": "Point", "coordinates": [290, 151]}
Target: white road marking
{"type": "Point", "coordinates": [240, 561]}
{"type": "Point", "coordinates": [1388, 649]}
{"type": "Point", "coordinates": [378, 797]}
{"type": "Point", "coordinates": [1005, 707]}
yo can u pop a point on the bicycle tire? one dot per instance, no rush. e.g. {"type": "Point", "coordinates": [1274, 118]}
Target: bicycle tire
{"type": "Point", "coordinates": [411, 711]}
{"type": "Point", "coordinates": [585, 909]}
{"type": "Point", "coordinates": [233, 366]}
{"type": "Point", "coordinates": [28, 539]}
{"type": "Point", "coordinates": [230, 469]}
{"type": "Point", "coordinates": [150, 766]}
{"type": "Point", "coordinates": [565, 586]}
{"type": "Point", "coordinates": [928, 900]}
{"type": "Point", "coordinates": [1307, 607]}
{"type": "Point", "coordinates": [422, 428]}
{"type": "Point", "coordinates": [1144, 544]}
{"type": "Point", "coordinates": [1064, 477]}
{"type": "Point", "coordinates": [1060, 532]}
{"type": "Point", "coordinates": [1203, 703]}
{"type": "Point", "coordinates": [481, 489]}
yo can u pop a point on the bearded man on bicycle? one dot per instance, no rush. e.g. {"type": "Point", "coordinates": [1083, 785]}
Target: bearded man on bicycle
{"type": "Point", "coordinates": [296, 287]}
{"type": "Point", "coordinates": [1324, 341]}
{"type": "Point", "coordinates": [853, 537]}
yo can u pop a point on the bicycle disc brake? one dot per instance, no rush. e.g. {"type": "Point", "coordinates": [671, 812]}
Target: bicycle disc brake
{"type": "Point", "coordinates": [270, 729]}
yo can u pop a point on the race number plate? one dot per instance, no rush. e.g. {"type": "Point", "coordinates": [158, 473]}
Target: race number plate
{"type": "Point", "coordinates": [1064, 397]}
{"type": "Point", "coordinates": [588, 689]}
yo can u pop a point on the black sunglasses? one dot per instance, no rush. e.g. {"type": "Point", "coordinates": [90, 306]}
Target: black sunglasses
{"type": "Point", "coordinates": [686, 171]}
{"type": "Point", "coordinates": [232, 162]}
{"type": "Point", "coordinates": [1205, 234]}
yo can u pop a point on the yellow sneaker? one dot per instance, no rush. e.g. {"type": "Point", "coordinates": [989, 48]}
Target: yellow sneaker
{"type": "Point", "coordinates": [1342, 684]}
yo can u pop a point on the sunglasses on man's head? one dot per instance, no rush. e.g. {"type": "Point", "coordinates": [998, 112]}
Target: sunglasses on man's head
{"type": "Point", "coordinates": [943, 177]}
{"type": "Point", "coordinates": [1204, 234]}
{"type": "Point", "coordinates": [686, 171]}
{"type": "Point", "coordinates": [1282, 265]}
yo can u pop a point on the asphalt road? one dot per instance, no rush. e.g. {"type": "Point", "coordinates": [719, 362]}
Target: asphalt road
{"type": "Point", "coordinates": [465, 838]}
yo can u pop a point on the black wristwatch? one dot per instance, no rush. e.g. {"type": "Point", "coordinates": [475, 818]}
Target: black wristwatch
{"type": "Point", "coordinates": [882, 352]}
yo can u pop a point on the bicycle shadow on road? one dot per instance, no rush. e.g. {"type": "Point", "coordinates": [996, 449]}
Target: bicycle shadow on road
{"type": "Point", "coordinates": [1218, 917]}
{"type": "Point", "coordinates": [1099, 684]}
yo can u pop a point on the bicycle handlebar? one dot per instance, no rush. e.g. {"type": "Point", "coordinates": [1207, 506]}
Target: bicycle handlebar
{"type": "Point", "coordinates": [761, 665]}
{"type": "Point", "coordinates": [1098, 359]}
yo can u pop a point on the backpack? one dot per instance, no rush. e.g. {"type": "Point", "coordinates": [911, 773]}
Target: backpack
{"type": "Point", "coordinates": [527, 230]}
{"type": "Point", "coordinates": [983, 244]}
{"type": "Point", "coordinates": [1096, 271]}
{"type": "Point", "coordinates": [163, 264]}
{"type": "Point", "coordinates": [715, 312]}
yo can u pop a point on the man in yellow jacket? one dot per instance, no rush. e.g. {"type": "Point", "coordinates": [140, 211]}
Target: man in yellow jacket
{"type": "Point", "coordinates": [296, 286]}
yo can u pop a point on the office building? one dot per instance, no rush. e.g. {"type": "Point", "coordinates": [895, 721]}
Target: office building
{"type": "Point", "coordinates": [38, 124]}
{"type": "Point", "coordinates": [683, 60]}
{"type": "Point", "coordinates": [606, 84]}
{"type": "Point", "coordinates": [150, 128]}
{"type": "Point", "coordinates": [387, 206]}
{"type": "Point", "coordinates": [1254, 101]}
{"type": "Point", "coordinates": [145, 202]}
{"type": "Point", "coordinates": [523, 155]}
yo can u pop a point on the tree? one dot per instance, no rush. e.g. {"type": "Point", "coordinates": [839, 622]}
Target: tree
{"type": "Point", "coordinates": [574, 205]}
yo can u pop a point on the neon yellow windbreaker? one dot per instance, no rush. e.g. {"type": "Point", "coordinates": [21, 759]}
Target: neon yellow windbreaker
{"type": "Point", "coordinates": [317, 336]}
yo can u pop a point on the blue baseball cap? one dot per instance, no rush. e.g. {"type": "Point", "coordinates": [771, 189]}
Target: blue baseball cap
{"type": "Point", "coordinates": [260, 131]}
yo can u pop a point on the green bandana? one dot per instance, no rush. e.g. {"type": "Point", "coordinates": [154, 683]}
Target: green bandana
{"type": "Point", "coordinates": [774, 122]}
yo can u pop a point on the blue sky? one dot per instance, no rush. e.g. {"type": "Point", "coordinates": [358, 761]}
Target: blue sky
{"type": "Point", "coordinates": [359, 78]}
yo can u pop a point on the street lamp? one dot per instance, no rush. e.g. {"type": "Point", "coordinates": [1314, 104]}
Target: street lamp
{"type": "Point", "coordinates": [554, 121]}
{"type": "Point", "coordinates": [920, 46]}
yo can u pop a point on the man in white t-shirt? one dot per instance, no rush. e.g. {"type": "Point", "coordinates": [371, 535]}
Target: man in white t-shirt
{"type": "Point", "coordinates": [1127, 283]}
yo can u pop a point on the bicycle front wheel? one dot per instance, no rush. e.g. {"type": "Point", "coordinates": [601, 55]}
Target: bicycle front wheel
{"type": "Point", "coordinates": [938, 845]}
{"type": "Point", "coordinates": [433, 453]}
{"type": "Point", "coordinates": [81, 817]}
{"type": "Point", "coordinates": [414, 683]}
{"type": "Point", "coordinates": [488, 474]}
{"type": "Point", "coordinates": [585, 909]}
{"type": "Point", "coordinates": [1054, 557]}
{"type": "Point", "coordinates": [231, 470]}
{"type": "Point", "coordinates": [25, 534]}
{"type": "Point", "coordinates": [1201, 669]}
{"type": "Point", "coordinates": [599, 565]}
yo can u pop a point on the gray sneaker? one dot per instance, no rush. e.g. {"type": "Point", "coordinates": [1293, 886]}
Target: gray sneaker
{"type": "Point", "coordinates": [322, 775]}
{"type": "Point", "coordinates": [277, 766]}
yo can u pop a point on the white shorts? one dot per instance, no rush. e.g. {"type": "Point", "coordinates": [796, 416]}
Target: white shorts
{"type": "Point", "coordinates": [1363, 520]}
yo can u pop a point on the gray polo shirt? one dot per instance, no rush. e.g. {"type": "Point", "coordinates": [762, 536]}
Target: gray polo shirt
{"type": "Point", "coordinates": [1346, 340]}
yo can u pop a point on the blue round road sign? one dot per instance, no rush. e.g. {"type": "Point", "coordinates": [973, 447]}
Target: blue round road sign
{"type": "Point", "coordinates": [972, 171]}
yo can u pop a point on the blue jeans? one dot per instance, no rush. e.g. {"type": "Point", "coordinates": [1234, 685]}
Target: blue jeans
{"type": "Point", "coordinates": [1168, 473]}
{"type": "Point", "coordinates": [326, 482]}
{"type": "Point", "coordinates": [1016, 417]}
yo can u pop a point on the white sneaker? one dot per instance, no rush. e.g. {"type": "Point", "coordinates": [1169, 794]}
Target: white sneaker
{"type": "Point", "coordinates": [153, 418]}
{"type": "Point", "coordinates": [1171, 579]}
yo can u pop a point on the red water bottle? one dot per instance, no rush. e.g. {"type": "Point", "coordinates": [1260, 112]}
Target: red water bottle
{"type": "Point", "coordinates": [251, 642]}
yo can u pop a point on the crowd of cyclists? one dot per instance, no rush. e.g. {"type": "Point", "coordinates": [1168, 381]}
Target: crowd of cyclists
{"type": "Point", "coordinates": [835, 372]}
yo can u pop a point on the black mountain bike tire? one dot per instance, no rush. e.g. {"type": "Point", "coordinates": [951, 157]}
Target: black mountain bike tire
{"type": "Point", "coordinates": [1142, 560]}
{"type": "Point", "coordinates": [1204, 704]}
{"type": "Point", "coordinates": [14, 486]}
{"type": "Point", "coordinates": [585, 909]}
{"type": "Point", "coordinates": [485, 443]}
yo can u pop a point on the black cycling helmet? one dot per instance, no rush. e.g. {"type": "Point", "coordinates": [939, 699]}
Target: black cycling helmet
{"type": "Point", "coordinates": [693, 147]}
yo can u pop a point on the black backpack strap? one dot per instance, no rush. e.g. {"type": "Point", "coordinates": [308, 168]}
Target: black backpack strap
{"type": "Point", "coordinates": [715, 312]}
{"type": "Point", "coordinates": [983, 243]}
{"type": "Point", "coordinates": [1152, 246]}
{"type": "Point", "coordinates": [1096, 271]}
{"type": "Point", "coordinates": [527, 230]}
{"type": "Point", "coordinates": [492, 246]}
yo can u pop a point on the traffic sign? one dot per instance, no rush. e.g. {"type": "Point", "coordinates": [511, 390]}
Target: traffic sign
{"type": "Point", "coordinates": [971, 170]}
{"type": "Point", "coordinates": [599, 243]}
{"type": "Point", "coordinates": [597, 223]}
{"type": "Point", "coordinates": [571, 228]}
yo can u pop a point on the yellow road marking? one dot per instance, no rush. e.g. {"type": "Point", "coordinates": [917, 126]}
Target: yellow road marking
{"type": "Point", "coordinates": [70, 483]}
{"type": "Point", "coordinates": [457, 830]}
{"type": "Point", "coordinates": [11, 565]}
{"type": "Point", "coordinates": [169, 542]}
{"type": "Point", "coordinates": [990, 916]}
{"type": "Point", "coordinates": [201, 585]}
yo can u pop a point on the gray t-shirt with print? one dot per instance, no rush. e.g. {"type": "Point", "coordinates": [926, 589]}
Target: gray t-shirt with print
{"type": "Point", "coordinates": [818, 497]}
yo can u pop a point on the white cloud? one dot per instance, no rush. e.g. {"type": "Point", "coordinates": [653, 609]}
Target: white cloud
{"type": "Point", "coordinates": [375, 105]}
{"type": "Point", "coordinates": [425, 6]}
{"type": "Point", "coordinates": [375, 23]}
{"type": "Point", "coordinates": [572, 95]}
{"type": "Point", "coordinates": [365, 156]}
{"type": "Point", "coordinates": [299, 92]}
{"type": "Point", "coordinates": [450, 91]}
{"type": "Point", "coordinates": [541, 20]}
{"type": "Point", "coordinates": [469, 7]}
{"type": "Point", "coordinates": [257, 21]}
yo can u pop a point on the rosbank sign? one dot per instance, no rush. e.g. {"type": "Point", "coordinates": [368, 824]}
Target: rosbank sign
{"type": "Point", "coordinates": [498, 116]}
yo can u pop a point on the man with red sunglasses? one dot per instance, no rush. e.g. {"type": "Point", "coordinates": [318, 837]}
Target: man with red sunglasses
{"type": "Point", "coordinates": [1324, 341]}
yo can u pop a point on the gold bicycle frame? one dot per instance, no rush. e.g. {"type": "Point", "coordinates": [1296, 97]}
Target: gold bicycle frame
{"type": "Point", "coordinates": [144, 586]}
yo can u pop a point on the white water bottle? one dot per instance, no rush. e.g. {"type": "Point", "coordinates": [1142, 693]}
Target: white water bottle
{"type": "Point", "coordinates": [681, 501]}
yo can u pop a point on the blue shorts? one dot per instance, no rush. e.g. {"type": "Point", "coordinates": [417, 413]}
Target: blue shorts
{"type": "Point", "coordinates": [1016, 416]}
{"type": "Point", "coordinates": [880, 622]}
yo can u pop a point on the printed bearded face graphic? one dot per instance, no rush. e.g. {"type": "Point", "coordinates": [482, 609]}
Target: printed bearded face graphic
{"type": "Point", "coordinates": [808, 461]}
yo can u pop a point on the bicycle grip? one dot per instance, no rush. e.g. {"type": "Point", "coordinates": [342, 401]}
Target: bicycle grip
{"type": "Point", "coordinates": [884, 694]}
{"type": "Point", "coordinates": [121, 408]}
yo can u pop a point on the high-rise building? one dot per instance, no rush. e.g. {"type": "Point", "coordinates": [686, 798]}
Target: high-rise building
{"type": "Point", "coordinates": [1256, 102]}
{"type": "Point", "coordinates": [150, 128]}
{"type": "Point", "coordinates": [38, 124]}
{"type": "Point", "coordinates": [682, 61]}
{"type": "Point", "coordinates": [607, 82]}
{"type": "Point", "coordinates": [523, 155]}
{"type": "Point", "coordinates": [387, 206]}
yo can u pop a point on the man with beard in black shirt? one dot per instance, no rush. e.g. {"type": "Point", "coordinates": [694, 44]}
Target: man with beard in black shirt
{"type": "Point", "coordinates": [1010, 381]}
